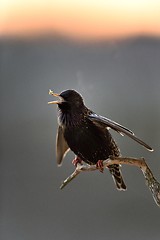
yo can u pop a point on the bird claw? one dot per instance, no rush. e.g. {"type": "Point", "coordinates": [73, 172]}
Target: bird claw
{"type": "Point", "coordinates": [99, 165]}
{"type": "Point", "coordinates": [76, 161]}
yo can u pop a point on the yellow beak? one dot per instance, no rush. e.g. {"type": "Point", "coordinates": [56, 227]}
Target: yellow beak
{"type": "Point", "coordinates": [55, 95]}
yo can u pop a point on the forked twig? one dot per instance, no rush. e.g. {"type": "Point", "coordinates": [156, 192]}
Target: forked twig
{"type": "Point", "coordinates": [151, 182]}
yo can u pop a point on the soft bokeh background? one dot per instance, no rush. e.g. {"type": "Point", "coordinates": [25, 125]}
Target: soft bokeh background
{"type": "Point", "coordinates": [118, 78]}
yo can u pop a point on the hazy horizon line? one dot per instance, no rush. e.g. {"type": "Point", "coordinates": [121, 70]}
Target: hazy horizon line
{"type": "Point", "coordinates": [56, 34]}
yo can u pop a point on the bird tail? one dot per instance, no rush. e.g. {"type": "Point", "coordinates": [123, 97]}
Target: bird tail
{"type": "Point", "coordinates": [117, 177]}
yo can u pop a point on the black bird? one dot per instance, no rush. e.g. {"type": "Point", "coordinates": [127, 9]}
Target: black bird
{"type": "Point", "coordinates": [87, 134]}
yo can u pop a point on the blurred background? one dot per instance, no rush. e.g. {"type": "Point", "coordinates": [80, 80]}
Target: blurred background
{"type": "Point", "coordinates": [109, 51]}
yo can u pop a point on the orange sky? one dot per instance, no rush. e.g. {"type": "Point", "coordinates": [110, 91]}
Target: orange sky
{"type": "Point", "coordinates": [80, 18]}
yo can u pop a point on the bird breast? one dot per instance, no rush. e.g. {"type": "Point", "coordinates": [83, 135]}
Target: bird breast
{"type": "Point", "coordinates": [88, 141]}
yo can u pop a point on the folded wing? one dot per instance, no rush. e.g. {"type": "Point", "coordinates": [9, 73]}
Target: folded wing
{"type": "Point", "coordinates": [97, 119]}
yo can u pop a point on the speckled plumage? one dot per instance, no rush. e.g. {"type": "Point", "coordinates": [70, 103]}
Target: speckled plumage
{"type": "Point", "coordinates": [87, 134]}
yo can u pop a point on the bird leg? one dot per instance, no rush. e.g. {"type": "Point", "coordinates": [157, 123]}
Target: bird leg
{"type": "Point", "coordinates": [76, 161]}
{"type": "Point", "coordinates": [100, 165]}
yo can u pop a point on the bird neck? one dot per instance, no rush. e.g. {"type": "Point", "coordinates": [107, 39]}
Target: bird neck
{"type": "Point", "coordinates": [70, 118]}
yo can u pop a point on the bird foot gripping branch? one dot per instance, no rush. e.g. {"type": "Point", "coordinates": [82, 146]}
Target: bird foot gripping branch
{"type": "Point", "coordinates": [100, 165]}
{"type": "Point", "coordinates": [76, 161]}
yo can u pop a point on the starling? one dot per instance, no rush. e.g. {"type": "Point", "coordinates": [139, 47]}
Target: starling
{"type": "Point", "coordinates": [87, 134]}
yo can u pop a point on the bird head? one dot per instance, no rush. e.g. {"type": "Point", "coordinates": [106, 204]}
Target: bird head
{"type": "Point", "coordinates": [68, 100]}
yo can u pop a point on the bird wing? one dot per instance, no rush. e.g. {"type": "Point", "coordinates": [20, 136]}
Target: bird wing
{"type": "Point", "coordinates": [61, 146]}
{"type": "Point", "coordinates": [106, 122]}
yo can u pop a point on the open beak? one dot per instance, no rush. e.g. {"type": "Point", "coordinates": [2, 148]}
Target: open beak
{"type": "Point", "coordinates": [55, 95]}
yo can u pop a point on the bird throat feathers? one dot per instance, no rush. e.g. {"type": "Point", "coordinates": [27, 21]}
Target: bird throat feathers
{"type": "Point", "coordinates": [70, 117]}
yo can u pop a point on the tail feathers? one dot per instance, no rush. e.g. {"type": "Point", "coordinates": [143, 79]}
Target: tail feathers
{"type": "Point", "coordinates": [117, 177]}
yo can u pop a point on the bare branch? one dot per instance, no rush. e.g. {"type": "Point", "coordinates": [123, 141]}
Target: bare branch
{"type": "Point", "coordinates": [71, 177]}
{"type": "Point", "coordinates": [151, 182]}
